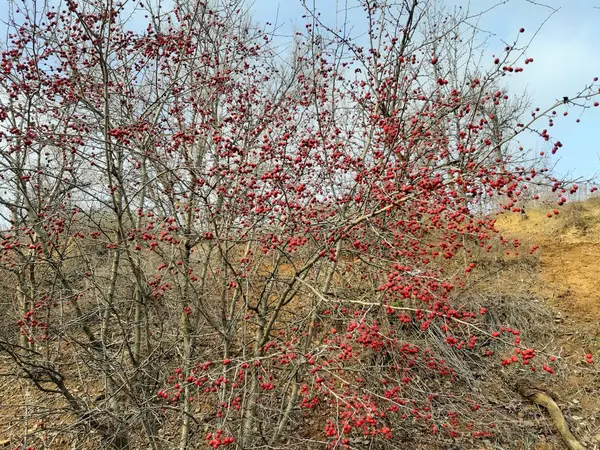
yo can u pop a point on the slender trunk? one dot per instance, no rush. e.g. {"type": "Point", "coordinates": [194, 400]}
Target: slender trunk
{"type": "Point", "coordinates": [291, 402]}
{"type": "Point", "coordinates": [252, 395]}
{"type": "Point", "coordinates": [110, 388]}
{"type": "Point", "coordinates": [137, 324]}
{"type": "Point", "coordinates": [139, 295]}
{"type": "Point", "coordinates": [23, 308]}
{"type": "Point", "coordinates": [185, 426]}
{"type": "Point", "coordinates": [185, 328]}
{"type": "Point", "coordinates": [293, 397]}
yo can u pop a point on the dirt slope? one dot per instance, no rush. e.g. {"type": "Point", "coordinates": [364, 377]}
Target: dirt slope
{"type": "Point", "coordinates": [568, 282]}
{"type": "Point", "coordinates": [555, 300]}
{"type": "Point", "coordinates": [569, 252]}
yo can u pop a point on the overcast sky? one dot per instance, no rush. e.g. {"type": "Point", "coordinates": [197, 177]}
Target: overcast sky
{"type": "Point", "coordinates": [565, 51]}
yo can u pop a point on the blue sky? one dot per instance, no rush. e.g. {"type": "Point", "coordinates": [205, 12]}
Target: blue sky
{"type": "Point", "coordinates": [564, 51]}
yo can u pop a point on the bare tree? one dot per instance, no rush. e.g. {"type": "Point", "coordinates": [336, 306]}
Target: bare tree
{"type": "Point", "coordinates": [211, 242]}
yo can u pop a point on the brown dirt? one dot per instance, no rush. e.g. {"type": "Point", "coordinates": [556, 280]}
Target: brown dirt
{"type": "Point", "coordinates": [569, 253]}
{"type": "Point", "coordinates": [560, 278]}
{"type": "Point", "coordinates": [567, 280]}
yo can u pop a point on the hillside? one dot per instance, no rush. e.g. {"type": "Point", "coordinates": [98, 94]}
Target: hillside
{"type": "Point", "coordinates": [566, 283]}
{"type": "Point", "coordinates": [549, 294]}
{"type": "Point", "coordinates": [569, 254]}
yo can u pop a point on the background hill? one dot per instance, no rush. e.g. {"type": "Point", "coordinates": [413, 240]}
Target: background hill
{"type": "Point", "coordinates": [547, 288]}
{"type": "Point", "coordinates": [569, 255]}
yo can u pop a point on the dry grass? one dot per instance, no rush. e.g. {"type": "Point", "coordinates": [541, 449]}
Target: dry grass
{"type": "Point", "coordinates": [550, 295]}
{"type": "Point", "coordinates": [563, 288]}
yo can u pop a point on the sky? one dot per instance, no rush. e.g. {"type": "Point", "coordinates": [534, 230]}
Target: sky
{"type": "Point", "coordinates": [565, 35]}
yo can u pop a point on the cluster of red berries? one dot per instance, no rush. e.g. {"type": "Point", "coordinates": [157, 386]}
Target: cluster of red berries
{"type": "Point", "coordinates": [216, 440]}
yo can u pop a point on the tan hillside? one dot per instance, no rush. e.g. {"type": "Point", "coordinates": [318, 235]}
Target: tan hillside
{"type": "Point", "coordinates": [569, 254]}
{"type": "Point", "coordinates": [551, 295]}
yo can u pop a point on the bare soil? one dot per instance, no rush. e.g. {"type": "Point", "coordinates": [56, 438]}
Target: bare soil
{"type": "Point", "coordinates": [568, 281]}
